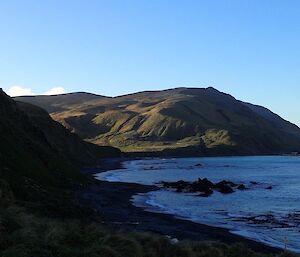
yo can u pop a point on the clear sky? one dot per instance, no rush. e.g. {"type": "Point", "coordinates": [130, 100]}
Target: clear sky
{"type": "Point", "coordinates": [250, 49]}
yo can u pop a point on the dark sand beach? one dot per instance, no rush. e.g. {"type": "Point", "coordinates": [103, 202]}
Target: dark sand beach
{"type": "Point", "coordinates": [112, 200]}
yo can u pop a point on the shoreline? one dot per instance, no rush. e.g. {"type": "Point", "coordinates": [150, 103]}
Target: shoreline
{"type": "Point", "coordinates": [113, 202]}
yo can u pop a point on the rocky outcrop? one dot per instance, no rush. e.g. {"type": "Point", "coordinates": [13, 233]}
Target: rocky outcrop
{"type": "Point", "coordinates": [203, 186]}
{"type": "Point", "coordinates": [206, 187]}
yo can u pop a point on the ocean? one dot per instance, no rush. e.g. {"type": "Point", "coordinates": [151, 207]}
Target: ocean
{"type": "Point", "coordinates": [271, 216]}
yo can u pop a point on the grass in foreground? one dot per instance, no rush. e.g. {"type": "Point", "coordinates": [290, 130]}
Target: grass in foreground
{"type": "Point", "coordinates": [26, 235]}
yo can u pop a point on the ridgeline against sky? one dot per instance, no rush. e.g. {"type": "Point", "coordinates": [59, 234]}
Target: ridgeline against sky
{"type": "Point", "coordinates": [247, 48]}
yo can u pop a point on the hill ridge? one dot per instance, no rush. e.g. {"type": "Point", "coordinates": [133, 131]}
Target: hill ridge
{"type": "Point", "coordinates": [205, 120]}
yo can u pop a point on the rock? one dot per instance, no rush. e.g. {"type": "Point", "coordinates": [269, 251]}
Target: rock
{"type": "Point", "coordinates": [207, 193]}
{"type": "Point", "coordinates": [224, 187]}
{"type": "Point", "coordinates": [254, 182]}
{"type": "Point", "coordinates": [241, 187]}
{"type": "Point", "coordinates": [199, 165]}
{"type": "Point", "coordinates": [180, 185]}
{"type": "Point", "coordinates": [230, 183]}
{"type": "Point", "coordinates": [204, 186]}
{"type": "Point", "coordinates": [206, 182]}
{"type": "Point", "coordinates": [164, 183]}
{"type": "Point", "coordinates": [172, 240]}
{"type": "Point", "coordinates": [226, 182]}
{"type": "Point", "coordinates": [201, 185]}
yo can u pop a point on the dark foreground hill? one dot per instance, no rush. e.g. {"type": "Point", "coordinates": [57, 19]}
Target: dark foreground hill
{"type": "Point", "coordinates": [38, 155]}
{"type": "Point", "coordinates": [182, 120]}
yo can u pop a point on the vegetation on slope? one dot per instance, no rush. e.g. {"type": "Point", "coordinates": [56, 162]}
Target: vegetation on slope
{"type": "Point", "coordinates": [39, 158]}
{"type": "Point", "coordinates": [190, 120]}
{"type": "Point", "coordinates": [26, 235]}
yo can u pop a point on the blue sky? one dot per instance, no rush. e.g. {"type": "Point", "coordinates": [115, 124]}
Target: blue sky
{"type": "Point", "coordinates": [250, 49]}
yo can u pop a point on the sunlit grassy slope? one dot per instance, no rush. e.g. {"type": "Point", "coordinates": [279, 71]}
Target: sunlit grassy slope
{"type": "Point", "coordinates": [193, 120]}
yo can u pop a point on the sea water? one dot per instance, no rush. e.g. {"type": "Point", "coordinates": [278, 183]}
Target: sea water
{"type": "Point", "coordinates": [271, 216]}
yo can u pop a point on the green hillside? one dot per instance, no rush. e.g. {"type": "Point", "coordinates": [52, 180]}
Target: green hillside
{"type": "Point", "coordinates": [189, 120]}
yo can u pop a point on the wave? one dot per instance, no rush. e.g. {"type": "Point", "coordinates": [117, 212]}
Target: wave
{"type": "Point", "coordinates": [244, 213]}
{"type": "Point", "coordinates": [149, 202]}
{"type": "Point", "coordinates": [108, 176]}
{"type": "Point", "coordinates": [264, 239]}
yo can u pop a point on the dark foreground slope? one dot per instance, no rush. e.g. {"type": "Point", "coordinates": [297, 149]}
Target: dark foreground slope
{"type": "Point", "coordinates": [182, 120]}
{"type": "Point", "coordinates": [32, 236]}
{"type": "Point", "coordinates": [38, 156]}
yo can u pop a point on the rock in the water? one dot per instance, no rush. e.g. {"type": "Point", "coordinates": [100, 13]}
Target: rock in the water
{"type": "Point", "coordinates": [241, 187]}
{"type": "Point", "coordinates": [226, 182]}
{"type": "Point", "coordinates": [178, 184]}
{"type": "Point", "coordinates": [198, 165]}
{"type": "Point", "coordinates": [224, 187]}
{"type": "Point", "coordinates": [206, 182]}
{"type": "Point", "coordinates": [209, 192]}
{"type": "Point", "coordinates": [202, 185]}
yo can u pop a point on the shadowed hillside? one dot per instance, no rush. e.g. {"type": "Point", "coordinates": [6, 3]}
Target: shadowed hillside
{"type": "Point", "coordinates": [181, 120]}
{"type": "Point", "coordinates": [38, 156]}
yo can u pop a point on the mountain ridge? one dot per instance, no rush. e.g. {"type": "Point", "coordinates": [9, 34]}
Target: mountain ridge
{"type": "Point", "coordinates": [203, 119]}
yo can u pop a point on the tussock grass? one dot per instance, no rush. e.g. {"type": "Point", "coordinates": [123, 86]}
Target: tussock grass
{"type": "Point", "coordinates": [26, 235]}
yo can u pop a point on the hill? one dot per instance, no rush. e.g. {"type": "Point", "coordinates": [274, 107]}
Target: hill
{"type": "Point", "coordinates": [61, 102]}
{"type": "Point", "coordinates": [182, 120]}
{"type": "Point", "coordinates": [39, 158]}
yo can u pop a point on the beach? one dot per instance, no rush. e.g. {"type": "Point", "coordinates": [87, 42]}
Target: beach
{"type": "Point", "coordinates": [112, 201]}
